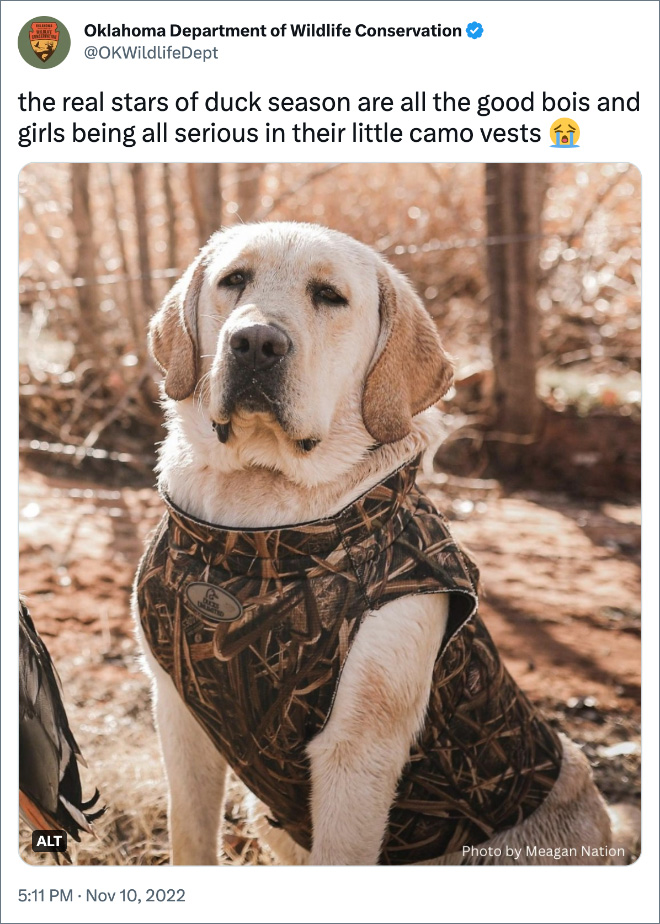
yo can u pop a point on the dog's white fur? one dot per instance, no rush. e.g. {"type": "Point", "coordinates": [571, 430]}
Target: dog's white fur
{"type": "Point", "coordinates": [260, 478]}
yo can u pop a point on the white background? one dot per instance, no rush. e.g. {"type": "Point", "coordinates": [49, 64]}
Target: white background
{"type": "Point", "coordinates": [594, 49]}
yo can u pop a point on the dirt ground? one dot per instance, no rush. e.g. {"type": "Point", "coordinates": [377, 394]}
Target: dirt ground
{"type": "Point", "coordinates": [561, 598]}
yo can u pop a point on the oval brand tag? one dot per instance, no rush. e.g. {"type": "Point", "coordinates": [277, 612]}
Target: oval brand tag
{"type": "Point", "coordinates": [213, 602]}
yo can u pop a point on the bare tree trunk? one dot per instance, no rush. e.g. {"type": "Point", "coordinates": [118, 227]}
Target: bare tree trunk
{"type": "Point", "coordinates": [170, 211]}
{"type": "Point", "coordinates": [514, 201]}
{"type": "Point", "coordinates": [148, 303]}
{"type": "Point", "coordinates": [248, 181]}
{"type": "Point", "coordinates": [139, 334]}
{"type": "Point", "coordinates": [206, 199]}
{"type": "Point", "coordinates": [89, 326]}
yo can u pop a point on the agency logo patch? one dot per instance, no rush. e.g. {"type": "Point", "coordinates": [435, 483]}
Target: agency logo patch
{"type": "Point", "coordinates": [213, 603]}
{"type": "Point", "coordinates": [44, 42]}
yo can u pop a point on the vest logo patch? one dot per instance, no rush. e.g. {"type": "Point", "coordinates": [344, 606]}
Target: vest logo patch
{"type": "Point", "coordinates": [213, 603]}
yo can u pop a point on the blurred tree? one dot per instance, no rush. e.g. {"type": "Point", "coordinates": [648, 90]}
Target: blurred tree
{"type": "Point", "coordinates": [514, 202]}
{"type": "Point", "coordinates": [128, 307]}
{"type": "Point", "coordinates": [84, 274]}
{"type": "Point", "coordinates": [170, 212]}
{"type": "Point", "coordinates": [206, 199]}
{"type": "Point", "coordinates": [148, 303]}
{"type": "Point", "coordinates": [248, 181]}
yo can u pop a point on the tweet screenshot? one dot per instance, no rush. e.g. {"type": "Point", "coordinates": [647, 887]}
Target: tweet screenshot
{"type": "Point", "coordinates": [324, 332]}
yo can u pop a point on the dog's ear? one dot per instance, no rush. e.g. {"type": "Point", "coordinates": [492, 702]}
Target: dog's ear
{"type": "Point", "coordinates": [410, 370]}
{"type": "Point", "coordinates": [173, 332]}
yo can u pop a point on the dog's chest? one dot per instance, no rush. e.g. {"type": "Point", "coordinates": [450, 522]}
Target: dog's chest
{"type": "Point", "coordinates": [256, 655]}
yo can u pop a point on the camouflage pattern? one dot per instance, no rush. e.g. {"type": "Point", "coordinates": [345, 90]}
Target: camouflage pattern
{"type": "Point", "coordinates": [258, 655]}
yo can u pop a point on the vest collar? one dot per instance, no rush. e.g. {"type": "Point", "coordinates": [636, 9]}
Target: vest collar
{"type": "Point", "coordinates": [241, 548]}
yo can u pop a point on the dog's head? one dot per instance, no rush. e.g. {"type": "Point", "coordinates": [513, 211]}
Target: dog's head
{"type": "Point", "coordinates": [289, 338]}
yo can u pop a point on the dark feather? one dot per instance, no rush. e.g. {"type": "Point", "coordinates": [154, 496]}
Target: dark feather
{"type": "Point", "coordinates": [49, 780]}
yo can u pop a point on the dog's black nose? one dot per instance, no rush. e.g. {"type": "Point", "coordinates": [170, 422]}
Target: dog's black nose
{"type": "Point", "coordinates": [259, 346]}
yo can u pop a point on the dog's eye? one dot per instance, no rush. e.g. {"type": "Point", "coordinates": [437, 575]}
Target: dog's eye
{"type": "Point", "coordinates": [329, 296]}
{"type": "Point", "coordinates": [234, 280]}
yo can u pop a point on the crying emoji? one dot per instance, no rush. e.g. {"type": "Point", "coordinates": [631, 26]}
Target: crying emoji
{"type": "Point", "coordinates": [565, 133]}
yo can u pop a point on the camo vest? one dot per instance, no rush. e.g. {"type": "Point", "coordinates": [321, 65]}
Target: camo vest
{"type": "Point", "coordinates": [254, 627]}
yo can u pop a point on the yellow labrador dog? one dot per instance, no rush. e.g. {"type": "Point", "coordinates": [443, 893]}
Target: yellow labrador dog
{"type": "Point", "coordinates": [304, 612]}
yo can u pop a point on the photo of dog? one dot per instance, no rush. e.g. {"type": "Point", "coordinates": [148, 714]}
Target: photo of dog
{"type": "Point", "coordinates": [299, 341]}
{"type": "Point", "coordinates": [336, 674]}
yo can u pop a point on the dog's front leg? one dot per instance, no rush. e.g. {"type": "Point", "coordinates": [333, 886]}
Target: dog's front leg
{"type": "Point", "coordinates": [196, 775]}
{"type": "Point", "coordinates": [357, 759]}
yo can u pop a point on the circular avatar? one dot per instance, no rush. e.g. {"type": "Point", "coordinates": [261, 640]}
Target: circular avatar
{"type": "Point", "coordinates": [44, 41]}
